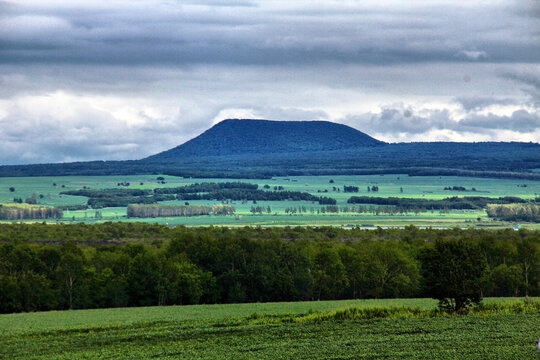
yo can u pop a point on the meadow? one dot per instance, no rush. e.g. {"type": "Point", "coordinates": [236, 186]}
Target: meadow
{"type": "Point", "coordinates": [47, 191]}
{"type": "Point", "coordinates": [241, 331]}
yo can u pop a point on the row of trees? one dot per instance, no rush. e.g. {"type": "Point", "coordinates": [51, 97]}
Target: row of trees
{"type": "Point", "coordinates": [100, 198]}
{"type": "Point", "coordinates": [515, 212]}
{"type": "Point", "coordinates": [155, 210]}
{"type": "Point", "coordinates": [359, 209]}
{"type": "Point", "coordinates": [458, 188]}
{"type": "Point", "coordinates": [219, 265]}
{"type": "Point", "coordinates": [20, 212]}
{"type": "Point", "coordinates": [457, 203]}
{"type": "Point", "coordinates": [206, 187]}
{"type": "Point", "coordinates": [257, 195]}
{"type": "Point", "coordinates": [121, 201]}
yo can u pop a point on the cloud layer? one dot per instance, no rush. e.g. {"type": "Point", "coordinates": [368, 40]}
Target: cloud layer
{"type": "Point", "coordinates": [122, 79]}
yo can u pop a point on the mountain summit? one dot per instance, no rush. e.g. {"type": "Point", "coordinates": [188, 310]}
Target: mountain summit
{"type": "Point", "coordinates": [245, 136]}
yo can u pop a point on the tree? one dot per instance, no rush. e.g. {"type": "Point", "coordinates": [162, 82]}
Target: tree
{"type": "Point", "coordinates": [329, 276]}
{"type": "Point", "coordinates": [453, 272]}
{"type": "Point", "coordinates": [143, 279]}
{"type": "Point", "coordinates": [506, 280]}
{"type": "Point", "coordinates": [10, 294]}
{"type": "Point", "coordinates": [71, 273]}
{"type": "Point", "coordinates": [529, 253]}
{"type": "Point", "coordinates": [389, 272]}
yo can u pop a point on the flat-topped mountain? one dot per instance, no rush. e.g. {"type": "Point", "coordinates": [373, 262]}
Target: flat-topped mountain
{"type": "Point", "coordinates": [262, 148]}
{"type": "Point", "coordinates": [235, 137]}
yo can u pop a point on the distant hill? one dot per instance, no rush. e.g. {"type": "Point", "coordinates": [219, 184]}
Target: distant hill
{"type": "Point", "coordinates": [262, 149]}
{"type": "Point", "coordinates": [236, 137]}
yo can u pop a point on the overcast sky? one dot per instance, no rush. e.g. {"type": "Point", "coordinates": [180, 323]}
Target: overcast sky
{"type": "Point", "coordinates": [85, 80]}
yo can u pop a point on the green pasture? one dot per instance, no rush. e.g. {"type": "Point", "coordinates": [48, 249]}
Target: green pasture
{"type": "Point", "coordinates": [366, 220]}
{"type": "Point", "coordinates": [431, 187]}
{"type": "Point", "coordinates": [225, 332]}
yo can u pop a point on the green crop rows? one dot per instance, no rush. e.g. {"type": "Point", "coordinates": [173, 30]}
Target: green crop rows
{"type": "Point", "coordinates": [222, 332]}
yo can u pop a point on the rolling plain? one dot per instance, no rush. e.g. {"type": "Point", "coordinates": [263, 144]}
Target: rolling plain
{"type": "Point", "coordinates": [48, 190]}
{"type": "Point", "coordinates": [268, 331]}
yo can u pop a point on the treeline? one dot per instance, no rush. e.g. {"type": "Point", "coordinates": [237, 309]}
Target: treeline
{"type": "Point", "coordinates": [360, 209]}
{"type": "Point", "coordinates": [100, 198]}
{"type": "Point", "coordinates": [450, 203]}
{"type": "Point", "coordinates": [257, 195]}
{"type": "Point", "coordinates": [206, 187]}
{"type": "Point", "coordinates": [220, 265]}
{"type": "Point", "coordinates": [20, 212]}
{"type": "Point", "coordinates": [72, 207]}
{"type": "Point", "coordinates": [515, 212]}
{"type": "Point", "coordinates": [107, 193]}
{"type": "Point", "coordinates": [100, 203]}
{"type": "Point", "coordinates": [458, 188]}
{"type": "Point", "coordinates": [147, 211]}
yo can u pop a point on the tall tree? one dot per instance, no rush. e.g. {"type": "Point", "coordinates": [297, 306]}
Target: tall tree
{"type": "Point", "coordinates": [453, 272]}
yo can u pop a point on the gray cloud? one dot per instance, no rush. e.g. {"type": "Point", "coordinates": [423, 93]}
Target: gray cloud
{"type": "Point", "coordinates": [480, 102]}
{"type": "Point", "coordinates": [473, 55]}
{"type": "Point", "coordinates": [173, 34]}
{"type": "Point", "coordinates": [406, 121]}
{"type": "Point", "coordinates": [401, 123]}
{"type": "Point", "coordinates": [520, 121]}
{"type": "Point", "coordinates": [531, 81]}
{"type": "Point", "coordinates": [112, 79]}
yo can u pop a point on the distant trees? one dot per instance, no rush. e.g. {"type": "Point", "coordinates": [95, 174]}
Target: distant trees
{"type": "Point", "coordinates": [146, 211]}
{"type": "Point", "coordinates": [458, 188]}
{"type": "Point", "coordinates": [11, 189]}
{"type": "Point", "coordinates": [349, 189]}
{"type": "Point", "coordinates": [257, 195]}
{"type": "Point", "coordinates": [458, 203]}
{"type": "Point", "coordinates": [455, 188]}
{"type": "Point", "coordinates": [453, 273]}
{"type": "Point", "coordinates": [19, 212]}
{"type": "Point", "coordinates": [206, 188]}
{"type": "Point", "coordinates": [515, 212]}
{"type": "Point", "coordinates": [31, 199]}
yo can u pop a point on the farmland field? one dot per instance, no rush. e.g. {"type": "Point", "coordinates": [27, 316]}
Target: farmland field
{"type": "Point", "coordinates": [47, 192]}
{"type": "Point", "coordinates": [225, 332]}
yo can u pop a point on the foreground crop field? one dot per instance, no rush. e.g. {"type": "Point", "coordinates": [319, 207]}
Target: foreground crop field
{"type": "Point", "coordinates": [222, 332]}
{"type": "Point", "coordinates": [48, 189]}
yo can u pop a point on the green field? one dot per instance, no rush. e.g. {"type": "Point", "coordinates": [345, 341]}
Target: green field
{"type": "Point", "coordinates": [229, 332]}
{"type": "Point", "coordinates": [431, 187]}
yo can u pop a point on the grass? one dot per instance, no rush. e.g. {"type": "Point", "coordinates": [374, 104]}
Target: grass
{"type": "Point", "coordinates": [242, 331]}
{"type": "Point", "coordinates": [431, 187]}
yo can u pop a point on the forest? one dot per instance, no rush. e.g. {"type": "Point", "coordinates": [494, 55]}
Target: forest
{"type": "Point", "coordinates": [515, 212]}
{"type": "Point", "coordinates": [79, 266]}
{"type": "Point", "coordinates": [456, 203]}
{"type": "Point", "coordinates": [199, 191]}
